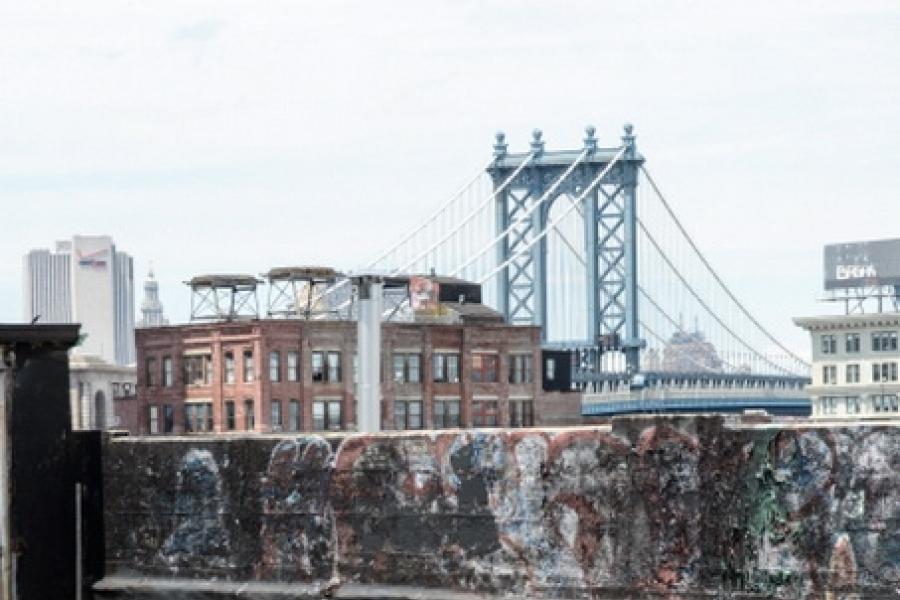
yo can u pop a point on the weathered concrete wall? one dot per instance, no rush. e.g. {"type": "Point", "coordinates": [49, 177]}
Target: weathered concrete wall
{"type": "Point", "coordinates": [669, 506]}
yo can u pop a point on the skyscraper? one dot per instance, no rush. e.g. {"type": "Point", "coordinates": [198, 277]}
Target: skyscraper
{"type": "Point", "coordinates": [151, 307]}
{"type": "Point", "coordinates": [84, 280]}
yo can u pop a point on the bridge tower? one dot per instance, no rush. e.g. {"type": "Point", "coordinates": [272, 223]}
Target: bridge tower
{"type": "Point", "coordinates": [609, 215]}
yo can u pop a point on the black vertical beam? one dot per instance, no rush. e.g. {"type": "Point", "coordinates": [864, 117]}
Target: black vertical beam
{"type": "Point", "coordinates": [88, 471]}
{"type": "Point", "coordinates": [41, 482]}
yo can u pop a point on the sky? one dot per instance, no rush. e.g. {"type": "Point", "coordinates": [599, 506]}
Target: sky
{"type": "Point", "coordinates": [233, 136]}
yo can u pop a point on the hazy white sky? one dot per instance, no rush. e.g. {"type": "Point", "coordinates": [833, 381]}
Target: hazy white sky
{"type": "Point", "coordinates": [233, 136]}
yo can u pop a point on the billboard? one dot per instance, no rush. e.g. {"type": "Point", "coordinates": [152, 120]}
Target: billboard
{"type": "Point", "coordinates": [862, 264]}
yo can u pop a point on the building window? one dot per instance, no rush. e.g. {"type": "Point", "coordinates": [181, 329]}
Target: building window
{"type": "Point", "coordinates": [829, 405]}
{"type": "Point", "coordinates": [274, 366]}
{"type": "Point", "coordinates": [249, 417]}
{"type": "Point", "coordinates": [197, 369]}
{"type": "Point", "coordinates": [327, 415]}
{"type": "Point", "coordinates": [407, 368]}
{"type": "Point", "coordinates": [550, 370]}
{"type": "Point", "coordinates": [115, 390]}
{"type": "Point", "coordinates": [829, 344]}
{"type": "Point", "coordinates": [885, 403]}
{"type": "Point", "coordinates": [484, 413]}
{"type": "Point", "coordinates": [168, 418]}
{"type": "Point", "coordinates": [829, 374]}
{"type": "Point", "coordinates": [882, 372]}
{"type": "Point", "coordinates": [446, 414]}
{"type": "Point", "coordinates": [326, 367]}
{"type": "Point", "coordinates": [294, 417]}
{"type": "Point", "coordinates": [150, 371]}
{"type": "Point", "coordinates": [293, 365]}
{"type": "Point", "coordinates": [230, 418]}
{"type": "Point", "coordinates": [168, 375]}
{"type": "Point", "coordinates": [852, 374]}
{"type": "Point", "coordinates": [276, 415]}
{"type": "Point", "coordinates": [852, 405]}
{"type": "Point", "coordinates": [334, 367]}
{"type": "Point", "coordinates": [883, 341]}
{"type": "Point", "coordinates": [318, 366]}
{"type": "Point", "coordinates": [229, 367]}
{"type": "Point", "coordinates": [446, 367]}
{"type": "Point", "coordinates": [521, 413]}
{"type": "Point", "coordinates": [407, 414]}
{"type": "Point", "coordinates": [485, 368]}
{"type": "Point", "coordinates": [197, 417]}
{"type": "Point", "coordinates": [520, 368]}
{"type": "Point", "coordinates": [852, 342]}
{"type": "Point", "coordinates": [126, 389]}
{"type": "Point", "coordinates": [154, 419]}
{"type": "Point", "coordinates": [249, 368]}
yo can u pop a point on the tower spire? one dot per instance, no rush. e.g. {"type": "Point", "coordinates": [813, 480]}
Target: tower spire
{"type": "Point", "coordinates": [151, 307]}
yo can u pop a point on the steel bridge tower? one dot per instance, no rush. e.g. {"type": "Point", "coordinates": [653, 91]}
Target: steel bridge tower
{"type": "Point", "coordinates": [610, 218]}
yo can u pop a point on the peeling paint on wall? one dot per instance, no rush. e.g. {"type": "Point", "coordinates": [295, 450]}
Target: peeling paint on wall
{"type": "Point", "coordinates": [666, 506]}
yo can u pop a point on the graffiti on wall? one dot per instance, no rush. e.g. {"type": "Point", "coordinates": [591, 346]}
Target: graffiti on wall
{"type": "Point", "coordinates": [659, 505]}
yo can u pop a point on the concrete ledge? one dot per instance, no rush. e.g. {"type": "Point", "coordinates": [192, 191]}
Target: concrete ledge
{"type": "Point", "coordinates": [133, 588]}
{"type": "Point", "coordinates": [140, 588]}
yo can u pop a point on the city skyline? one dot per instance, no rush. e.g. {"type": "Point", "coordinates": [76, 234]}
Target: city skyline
{"type": "Point", "coordinates": [772, 123]}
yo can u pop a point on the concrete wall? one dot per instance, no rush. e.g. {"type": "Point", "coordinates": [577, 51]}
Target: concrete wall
{"type": "Point", "coordinates": [653, 506]}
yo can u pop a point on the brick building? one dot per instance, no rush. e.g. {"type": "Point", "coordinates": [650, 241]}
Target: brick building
{"type": "Point", "coordinates": [469, 370]}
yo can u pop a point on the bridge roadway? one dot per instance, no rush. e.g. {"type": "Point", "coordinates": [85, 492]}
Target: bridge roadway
{"type": "Point", "coordinates": [610, 394]}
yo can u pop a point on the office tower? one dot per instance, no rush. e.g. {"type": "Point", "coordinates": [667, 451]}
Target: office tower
{"type": "Point", "coordinates": [84, 280]}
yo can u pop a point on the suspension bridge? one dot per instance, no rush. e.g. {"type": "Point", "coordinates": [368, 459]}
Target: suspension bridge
{"type": "Point", "coordinates": [584, 244]}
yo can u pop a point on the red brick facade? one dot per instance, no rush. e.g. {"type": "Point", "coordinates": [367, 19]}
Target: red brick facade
{"type": "Point", "coordinates": [163, 397]}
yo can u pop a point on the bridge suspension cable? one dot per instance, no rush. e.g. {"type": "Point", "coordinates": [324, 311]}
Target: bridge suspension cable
{"type": "Point", "coordinates": [443, 239]}
{"type": "Point", "coordinates": [677, 327]}
{"type": "Point", "coordinates": [704, 304]}
{"type": "Point", "coordinates": [472, 214]}
{"type": "Point", "coordinates": [435, 216]}
{"type": "Point", "coordinates": [715, 275]}
{"type": "Point", "coordinates": [456, 272]}
{"type": "Point", "coordinates": [552, 224]}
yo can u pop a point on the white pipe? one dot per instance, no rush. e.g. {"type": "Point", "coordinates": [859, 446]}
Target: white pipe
{"type": "Point", "coordinates": [368, 352]}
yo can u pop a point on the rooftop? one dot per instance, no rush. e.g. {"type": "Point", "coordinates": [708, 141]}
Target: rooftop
{"type": "Point", "coordinates": [223, 281]}
{"type": "Point", "coordinates": [304, 272]}
{"type": "Point", "coordinates": [41, 334]}
{"type": "Point", "coordinates": [844, 321]}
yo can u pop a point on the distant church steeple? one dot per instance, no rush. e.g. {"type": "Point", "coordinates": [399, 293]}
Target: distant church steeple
{"type": "Point", "coordinates": [151, 307]}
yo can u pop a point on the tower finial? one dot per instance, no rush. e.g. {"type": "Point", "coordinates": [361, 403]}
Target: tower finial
{"type": "Point", "coordinates": [500, 145]}
{"type": "Point", "coordinates": [590, 142]}
{"type": "Point", "coordinates": [628, 140]}
{"type": "Point", "coordinates": [537, 144]}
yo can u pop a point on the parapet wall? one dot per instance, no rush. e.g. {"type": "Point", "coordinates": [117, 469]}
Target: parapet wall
{"type": "Point", "coordinates": [674, 506]}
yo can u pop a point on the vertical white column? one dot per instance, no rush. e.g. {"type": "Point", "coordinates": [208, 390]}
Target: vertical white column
{"type": "Point", "coordinates": [368, 348]}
